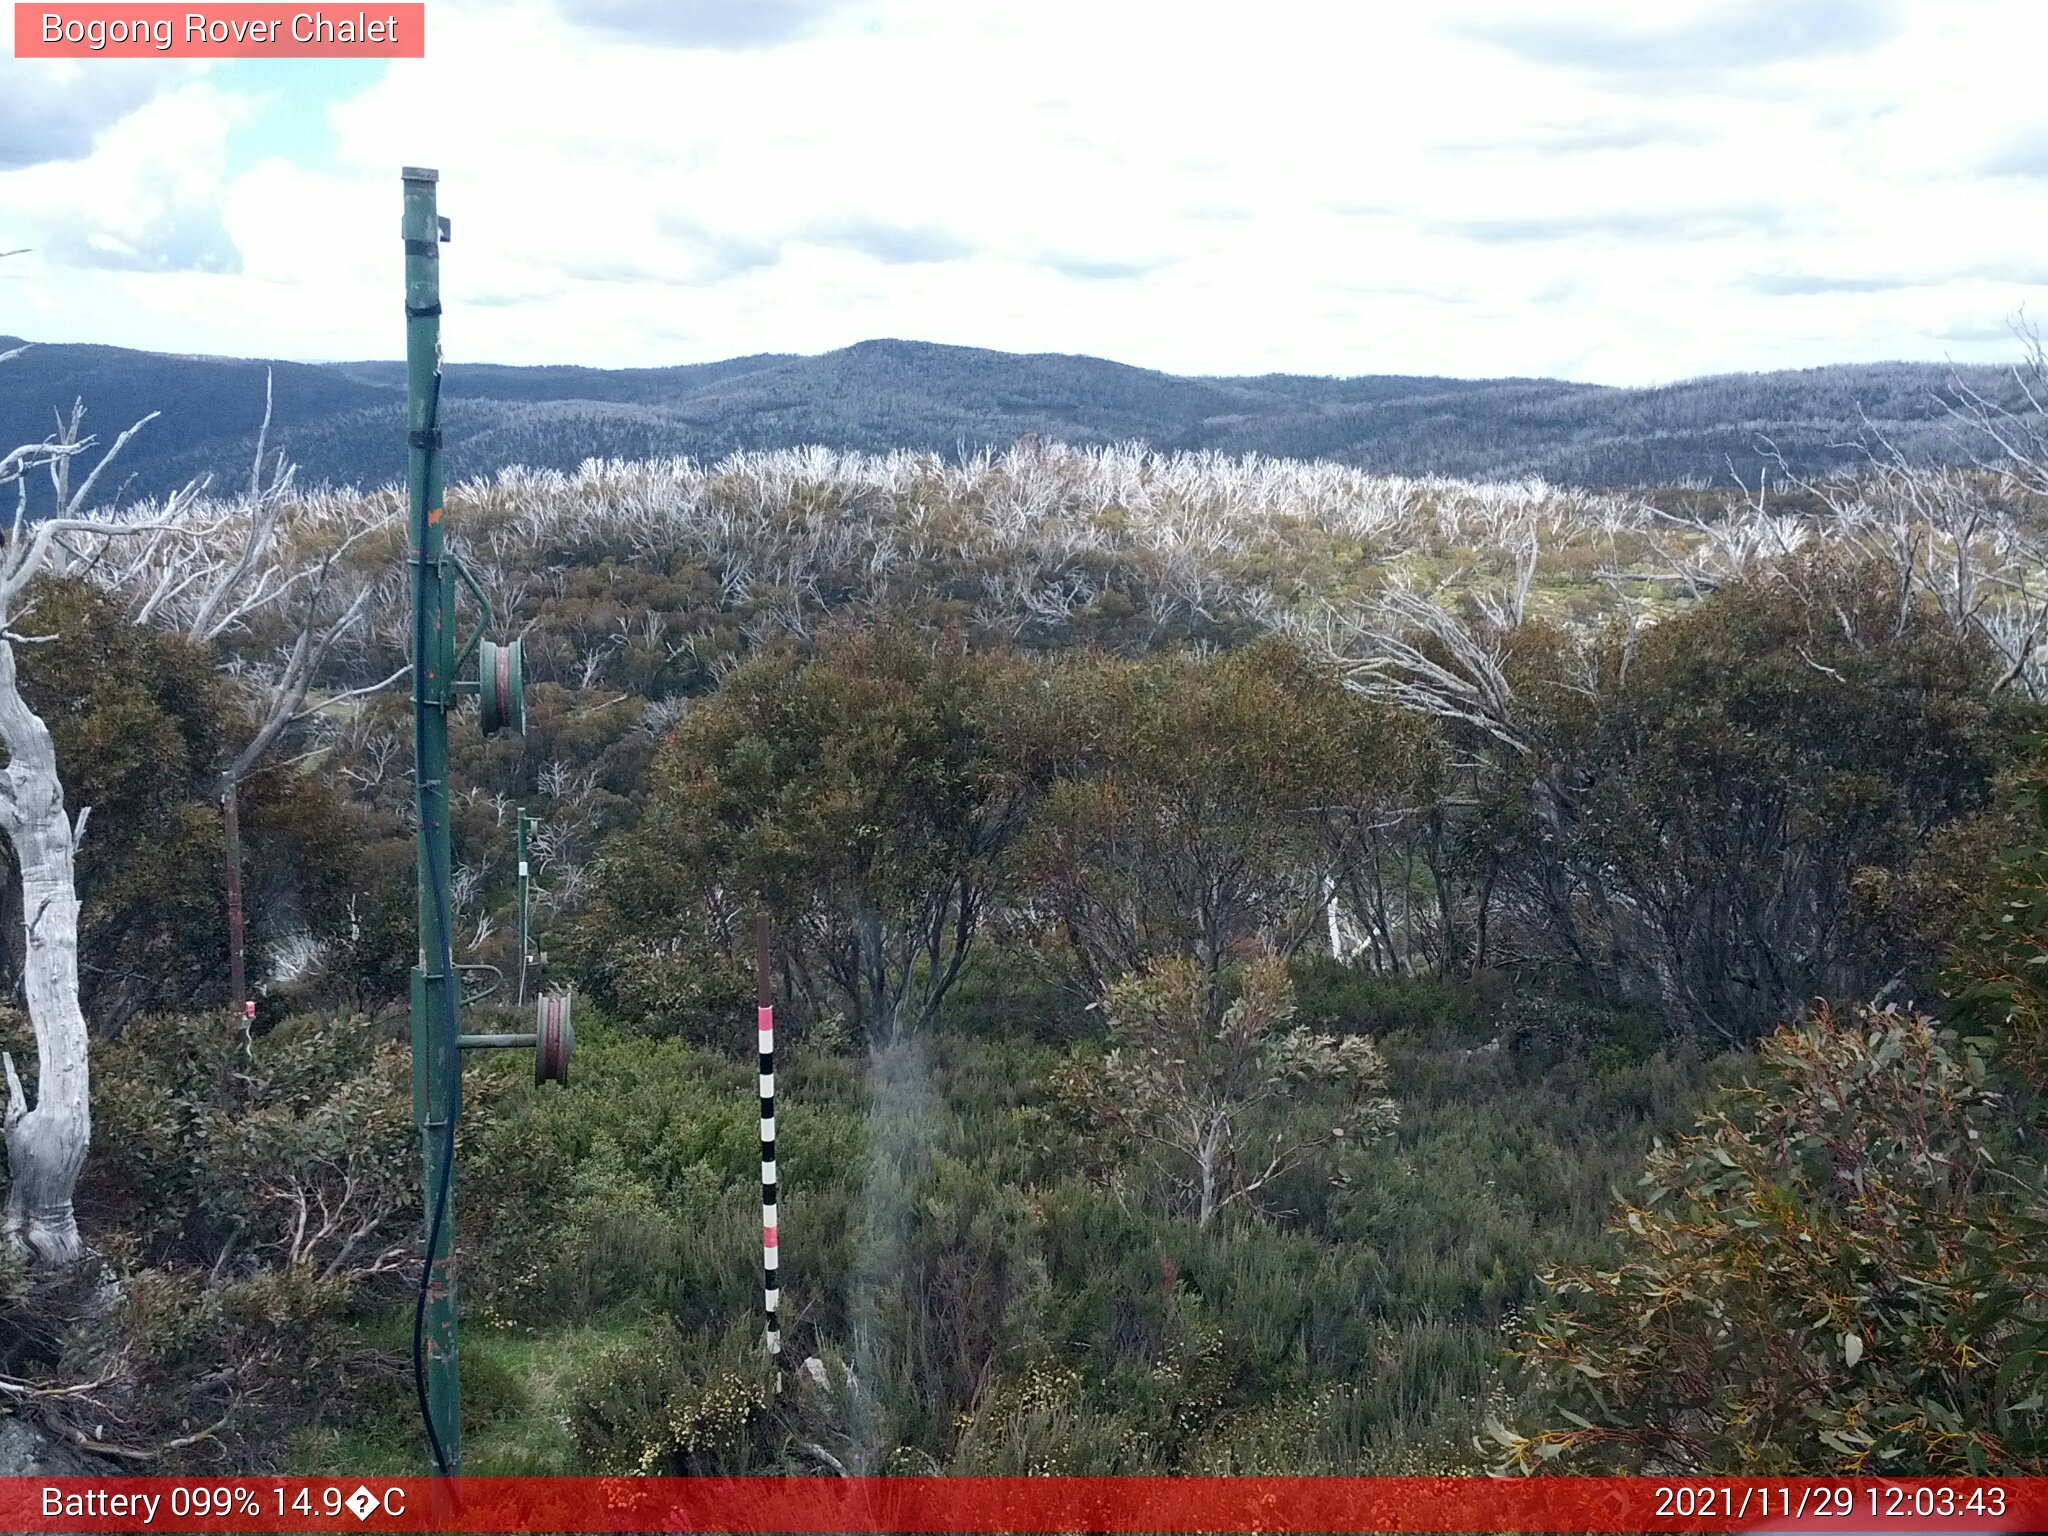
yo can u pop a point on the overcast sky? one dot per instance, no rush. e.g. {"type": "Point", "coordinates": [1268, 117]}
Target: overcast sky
{"type": "Point", "coordinates": [1611, 192]}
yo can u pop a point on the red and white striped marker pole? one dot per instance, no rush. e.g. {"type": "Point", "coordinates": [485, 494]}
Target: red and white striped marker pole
{"type": "Point", "coordinates": [764, 1017]}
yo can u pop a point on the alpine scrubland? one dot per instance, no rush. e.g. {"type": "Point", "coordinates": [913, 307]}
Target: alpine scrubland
{"type": "Point", "coordinates": [1282, 969]}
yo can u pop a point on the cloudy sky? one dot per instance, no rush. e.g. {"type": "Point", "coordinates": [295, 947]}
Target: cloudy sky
{"type": "Point", "coordinates": [1604, 191]}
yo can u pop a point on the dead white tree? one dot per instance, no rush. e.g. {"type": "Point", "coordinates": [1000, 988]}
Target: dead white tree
{"type": "Point", "coordinates": [1961, 542]}
{"type": "Point", "coordinates": [46, 1142]}
{"type": "Point", "coordinates": [272, 562]}
{"type": "Point", "coordinates": [269, 564]}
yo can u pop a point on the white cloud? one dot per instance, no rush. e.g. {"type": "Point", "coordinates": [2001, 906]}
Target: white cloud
{"type": "Point", "coordinates": [56, 109]}
{"type": "Point", "coordinates": [145, 200]}
{"type": "Point", "coordinates": [1198, 187]}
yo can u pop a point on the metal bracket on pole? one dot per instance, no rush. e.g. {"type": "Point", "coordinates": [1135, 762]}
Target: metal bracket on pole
{"type": "Point", "coordinates": [471, 999]}
{"type": "Point", "coordinates": [476, 590]}
{"type": "Point", "coordinates": [553, 1040]}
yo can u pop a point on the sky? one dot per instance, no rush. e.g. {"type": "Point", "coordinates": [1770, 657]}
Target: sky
{"type": "Point", "coordinates": [1608, 192]}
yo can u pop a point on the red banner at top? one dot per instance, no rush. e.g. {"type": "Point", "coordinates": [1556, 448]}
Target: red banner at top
{"type": "Point", "coordinates": [1026, 1504]}
{"type": "Point", "coordinates": [233, 31]}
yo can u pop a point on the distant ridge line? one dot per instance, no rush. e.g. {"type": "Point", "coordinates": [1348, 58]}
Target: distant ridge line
{"type": "Point", "coordinates": [341, 421]}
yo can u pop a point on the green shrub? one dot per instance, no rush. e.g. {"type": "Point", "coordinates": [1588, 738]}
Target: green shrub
{"type": "Point", "coordinates": [1349, 999]}
{"type": "Point", "coordinates": [491, 1391]}
{"type": "Point", "coordinates": [1864, 1196]}
{"type": "Point", "coordinates": [1041, 1423]}
{"type": "Point", "coordinates": [211, 1144]}
{"type": "Point", "coordinates": [1010, 992]}
{"type": "Point", "coordinates": [674, 1405]}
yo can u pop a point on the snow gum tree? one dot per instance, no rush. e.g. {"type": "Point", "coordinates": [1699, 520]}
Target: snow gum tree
{"type": "Point", "coordinates": [46, 1141]}
{"type": "Point", "coordinates": [45, 1144]}
{"type": "Point", "coordinates": [1228, 1105]}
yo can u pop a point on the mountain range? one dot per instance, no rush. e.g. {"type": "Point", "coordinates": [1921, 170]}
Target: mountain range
{"type": "Point", "coordinates": [342, 423]}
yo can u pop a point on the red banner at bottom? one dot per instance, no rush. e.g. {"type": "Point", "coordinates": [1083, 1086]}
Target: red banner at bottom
{"type": "Point", "coordinates": [1024, 1504]}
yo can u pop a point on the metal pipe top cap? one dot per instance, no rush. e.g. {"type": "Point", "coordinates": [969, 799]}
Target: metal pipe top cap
{"type": "Point", "coordinates": [419, 173]}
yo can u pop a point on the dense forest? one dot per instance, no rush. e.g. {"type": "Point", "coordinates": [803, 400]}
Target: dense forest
{"type": "Point", "coordinates": [339, 421]}
{"type": "Point", "coordinates": [1284, 968]}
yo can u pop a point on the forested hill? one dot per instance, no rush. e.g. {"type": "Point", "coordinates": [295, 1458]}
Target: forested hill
{"type": "Point", "coordinates": [341, 422]}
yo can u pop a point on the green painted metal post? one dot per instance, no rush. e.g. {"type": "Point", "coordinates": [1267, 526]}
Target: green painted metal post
{"type": "Point", "coordinates": [436, 1061]}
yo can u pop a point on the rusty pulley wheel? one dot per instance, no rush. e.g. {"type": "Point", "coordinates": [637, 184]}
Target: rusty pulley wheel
{"type": "Point", "coordinates": [554, 1040]}
{"type": "Point", "coordinates": [501, 687]}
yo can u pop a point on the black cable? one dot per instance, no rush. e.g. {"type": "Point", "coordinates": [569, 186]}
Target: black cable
{"type": "Point", "coordinates": [437, 880]}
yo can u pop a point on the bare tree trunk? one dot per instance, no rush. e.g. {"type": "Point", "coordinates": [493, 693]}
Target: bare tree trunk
{"type": "Point", "coordinates": [238, 992]}
{"type": "Point", "coordinates": [1208, 1155]}
{"type": "Point", "coordinates": [45, 1145]}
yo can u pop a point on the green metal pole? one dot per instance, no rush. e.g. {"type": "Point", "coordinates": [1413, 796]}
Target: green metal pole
{"type": "Point", "coordinates": [436, 1061]}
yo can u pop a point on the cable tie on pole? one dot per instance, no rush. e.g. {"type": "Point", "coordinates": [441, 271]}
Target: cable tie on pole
{"type": "Point", "coordinates": [427, 248]}
{"type": "Point", "coordinates": [431, 438]}
{"type": "Point", "coordinates": [422, 311]}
